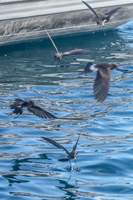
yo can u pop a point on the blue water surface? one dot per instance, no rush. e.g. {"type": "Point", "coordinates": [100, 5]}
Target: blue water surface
{"type": "Point", "coordinates": [29, 166]}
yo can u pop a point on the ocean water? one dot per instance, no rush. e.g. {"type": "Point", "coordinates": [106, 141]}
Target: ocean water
{"type": "Point", "coordinates": [29, 166]}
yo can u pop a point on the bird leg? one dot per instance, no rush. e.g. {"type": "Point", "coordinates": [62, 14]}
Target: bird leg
{"type": "Point", "coordinates": [16, 116]}
{"type": "Point", "coordinates": [53, 62]}
{"type": "Point", "coordinates": [56, 65]}
{"type": "Point", "coordinates": [13, 113]}
{"type": "Point", "coordinates": [102, 27]}
{"type": "Point", "coordinates": [104, 33]}
{"type": "Point", "coordinates": [77, 168]}
{"type": "Point", "coordinates": [71, 167]}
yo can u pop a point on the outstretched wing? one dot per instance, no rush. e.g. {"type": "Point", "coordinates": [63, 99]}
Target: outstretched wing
{"type": "Point", "coordinates": [55, 144]}
{"type": "Point", "coordinates": [102, 84]}
{"type": "Point", "coordinates": [112, 11]}
{"type": "Point", "coordinates": [75, 52]}
{"type": "Point", "coordinates": [75, 146]}
{"type": "Point", "coordinates": [52, 41]}
{"type": "Point", "coordinates": [91, 8]}
{"type": "Point", "coordinates": [39, 112]}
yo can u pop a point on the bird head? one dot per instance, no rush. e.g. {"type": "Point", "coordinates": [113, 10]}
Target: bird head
{"type": "Point", "coordinates": [113, 66]}
{"type": "Point", "coordinates": [58, 56]}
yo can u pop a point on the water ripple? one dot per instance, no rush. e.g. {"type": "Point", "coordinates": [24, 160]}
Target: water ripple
{"type": "Point", "coordinates": [29, 165]}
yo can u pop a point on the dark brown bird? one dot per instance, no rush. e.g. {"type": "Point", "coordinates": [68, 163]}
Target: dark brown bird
{"type": "Point", "coordinates": [19, 104]}
{"type": "Point", "coordinates": [72, 154]}
{"type": "Point", "coordinates": [102, 80]}
{"type": "Point", "coordinates": [59, 55]}
{"type": "Point", "coordinates": [102, 19]}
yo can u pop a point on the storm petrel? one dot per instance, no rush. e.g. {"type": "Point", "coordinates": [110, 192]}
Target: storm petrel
{"type": "Point", "coordinates": [102, 80]}
{"type": "Point", "coordinates": [72, 154]}
{"type": "Point", "coordinates": [102, 18]}
{"type": "Point", "coordinates": [19, 104]}
{"type": "Point", "coordinates": [59, 55]}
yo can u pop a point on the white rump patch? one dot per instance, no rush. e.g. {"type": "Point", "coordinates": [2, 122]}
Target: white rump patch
{"type": "Point", "coordinates": [93, 68]}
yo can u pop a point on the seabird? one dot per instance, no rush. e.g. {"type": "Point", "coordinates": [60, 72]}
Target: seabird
{"type": "Point", "coordinates": [102, 80]}
{"type": "Point", "coordinates": [19, 104]}
{"type": "Point", "coordinates": [102, 19]}
{"type": "Point", "coordinates": [59, 55]}
{"type": "Point", "coordinates": [70, 155]}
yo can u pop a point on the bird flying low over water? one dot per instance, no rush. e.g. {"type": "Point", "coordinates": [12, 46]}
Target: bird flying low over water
{"type": "Point", "coordinates": [102, 18]}
{"type": "Point", "coordinates": [102, 80]}
{"type": "Point", "coordinates": [59, 55]}
{"type": "Point", "coordinates": [72, 154]}
{"type": "Point", "coordinates": [19, 104]}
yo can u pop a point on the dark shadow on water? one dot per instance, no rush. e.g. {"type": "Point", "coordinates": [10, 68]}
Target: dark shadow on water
{"type": "Point", "coordinates": [13, 179]}
{"type": "Point", "coordinates": [66, 187]}
{"type": "Point", "coordinates": [72, 41]}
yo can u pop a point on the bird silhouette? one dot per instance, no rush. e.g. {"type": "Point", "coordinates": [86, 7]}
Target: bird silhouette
{"type": "Point", "coordinates": [70, 155]}
{"type": "Point", "coordinates": [59, 55]}
{"type": "Point", "coordinates": [102, 18]}
{"type": "Point", "coordinates": [102, 80]}
{"type": "Point", "coordinates": [19, 104]}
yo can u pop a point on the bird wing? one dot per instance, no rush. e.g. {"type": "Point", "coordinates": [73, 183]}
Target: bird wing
{"type": "Point", "coordinates": [56, 144]}
{"type": "Point", "coordinates": [112, 11]}
{"type": "Point", "coordinates": [63, 159]}
{"type": "Point", "coordinates": [91, 8]}
{"type": "Point", "coordinates": [75, 146]}
{"type": "Point", "coordinates": [101, 84]}
{"type": "Point", "coordinates": [75, 52]}
{"type": "Point", "coordinates": [52, 41]}
{"type": "Point", "coordinates": [16, 103]}
{"type": "Point", "coordinates": [39, 112]}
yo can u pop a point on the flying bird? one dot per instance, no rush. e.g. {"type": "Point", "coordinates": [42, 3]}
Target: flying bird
{"type": "Point", "coordinates": [102, 18]}
{"type": "Point", "coordinates": [19, 104]}
{"type": "Point", "coordinates": [102, 80]}
{"type": "Point", "coordinates": [70, 155]}
{"type": "Point", "coordinates": [59, 55]}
